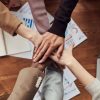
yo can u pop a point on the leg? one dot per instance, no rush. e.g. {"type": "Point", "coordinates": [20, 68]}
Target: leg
{"type": "Point", "coordinates": [53, 84]}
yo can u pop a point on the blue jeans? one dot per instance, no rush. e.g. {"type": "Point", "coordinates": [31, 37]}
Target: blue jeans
{"type": "Point", "coordinates": [53, 83]}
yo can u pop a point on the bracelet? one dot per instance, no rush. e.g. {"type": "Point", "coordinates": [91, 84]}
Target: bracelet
{"type": "Point", "coordinates": [16, 29]}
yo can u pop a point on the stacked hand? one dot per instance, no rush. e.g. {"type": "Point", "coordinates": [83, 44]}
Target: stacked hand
{"type": "Point", "coordinates": [66, 58]}
{"type": "Point", "coordinates": [50, 43]}
{"type": "Point", "coordinates": [44, 44]}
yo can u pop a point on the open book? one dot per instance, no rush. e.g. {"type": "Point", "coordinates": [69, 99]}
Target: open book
{"type": "Point", "coordinates": [12, 45]}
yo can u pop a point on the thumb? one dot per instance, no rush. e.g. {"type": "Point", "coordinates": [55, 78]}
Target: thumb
{"type": "Point", "coordinates": [54, 58]}
{"type": "Point", "coordinates": [59, 51]}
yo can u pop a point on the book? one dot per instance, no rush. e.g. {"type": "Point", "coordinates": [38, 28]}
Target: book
{"type": "Point", "coordinates": [15, 45]}
{"type": "Point", "coordinates": [12, 45]}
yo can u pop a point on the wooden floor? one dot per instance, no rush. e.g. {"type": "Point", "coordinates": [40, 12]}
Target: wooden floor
{"type": "Point", "coordinates": [87, 16]}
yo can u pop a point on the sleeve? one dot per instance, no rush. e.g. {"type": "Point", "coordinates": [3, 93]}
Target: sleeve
{"type": "Point", "coordinates": [62, 17]}
{"type": "Point", "coordinates": [94, 89]}
{"type": "Point", "coordinates": [8, 22]}
{"type": "Point", "coordinates": [40, 15]}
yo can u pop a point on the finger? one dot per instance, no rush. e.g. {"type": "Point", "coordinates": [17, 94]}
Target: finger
{"type": "Point", "coordinates": [72, 46]}
{"type": "Point", "coordinates": [35, 48]}
{"type": "Point", "coordinates": [46, 55]}
{"type": "Point", "coordinates": [38, 49]}
{"type": "Point", "coordinates": [54, 58]}
{"type": "Point", "coordinates": [34, 52]}
{"type": "Point", "coordinates": [59, 51]}
{"type": "Point", "coordinates": [41, 53]}
{"type": "Point", "coordinates": [42, 44]}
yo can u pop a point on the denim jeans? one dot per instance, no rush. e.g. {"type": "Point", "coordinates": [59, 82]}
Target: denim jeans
{"type": "Point", "coordinates": [53, 83]}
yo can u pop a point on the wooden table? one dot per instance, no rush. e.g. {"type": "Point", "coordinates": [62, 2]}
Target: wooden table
{"type": "Point", "coordinates": [87, 16]}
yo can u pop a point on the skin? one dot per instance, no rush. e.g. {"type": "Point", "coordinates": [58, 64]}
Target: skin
{"type": "Point", "coordinates": [44, 44]}
{"type": "Point", "coordinates": [29, 34]}
{"type": "Point", "coordinates": [50, 42]}
{"type": "Point", "coordinates": [69, 61]}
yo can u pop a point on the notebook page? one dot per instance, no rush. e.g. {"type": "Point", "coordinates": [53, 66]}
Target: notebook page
{"type": "Point", "coordinates": [15, 44]}
{"type": "Point", "coordinates": [2, 44]}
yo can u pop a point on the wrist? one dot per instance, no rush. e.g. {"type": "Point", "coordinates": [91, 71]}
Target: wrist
{"type": "Point", "coordinates": [71, 62]}
{"type": "Point", "coordinates": [24, 32]}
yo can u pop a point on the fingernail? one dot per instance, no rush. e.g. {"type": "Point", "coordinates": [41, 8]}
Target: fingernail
{"type": "Point", "coordinates": [34, 60]}
{"type": "Point", "coordinates": [41, 61]}
{"type": "Point", "coordinates": [33, 57]}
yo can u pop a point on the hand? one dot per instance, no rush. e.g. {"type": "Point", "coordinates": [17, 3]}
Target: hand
{"type": "Point", "coordinates": [66, 58]}
{"type": "Point", "coordinates": [43, 65]}
{"type": "Point", "coordinates": [49, 43]}
{"type": "Point", "coordinates": [29, 34]}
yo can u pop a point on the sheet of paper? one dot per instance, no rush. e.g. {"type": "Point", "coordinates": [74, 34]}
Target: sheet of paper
{"type": "Point", "coordinates": [2, 44]}
{"type": "Point", "coordinates": [27, 54]}
{"type": "Point", "coordinates": [68, 77]}
{"type": "Point", "coordinates": [24, 13]}
{"type": "Point", "coordinates": [73, 35]}
{"type": "Point", "coordinates": [70, 91]}
{"type": "Point", "coordinates": [25, 9]}
{"type": "Point", "coordinates": [16, 44]}
{"type": "Point", "coordinates": [98, 68]}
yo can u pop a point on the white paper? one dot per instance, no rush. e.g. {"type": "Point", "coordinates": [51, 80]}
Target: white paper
{"type": "Point", "coordinates": [25, 9]}
{"type": "Point", "coordinates": [16, 44]}
{"type": "Point", "coordinates": [98, 68]}
{"type": "Point", "coordinates": [73, 35]}
{"type": "Point", "coordinates": [2, 45]}
{"type": "Point", "coordinates": [70, 91]}
{"type": "Point", "coordinates": [68, 77]}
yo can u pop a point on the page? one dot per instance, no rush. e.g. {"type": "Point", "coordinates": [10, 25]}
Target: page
{"type": "Point", "coordinates": [2, 44]}
{"type": "Point", "coordinates": [73, 35]}
{"type": "Point", "coordinates": [98, 68]}
{"type": "Point", "coordinates": [15, 44]}
{"type": "Point", "coordinates": [70, 91]}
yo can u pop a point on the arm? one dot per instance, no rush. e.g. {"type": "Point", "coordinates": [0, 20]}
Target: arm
{"type": "Point", "coordinates": [79, 71]}
{"type": "Point", "coordinates": [69, 61]}
{"type": "Point", "coordinates": [8, 22]}
{"type": "Point", "coordinates": [13, 25]}
{"type": "Point", "coordinates": [40, 15]}
{"type": "Point", "coordinates": [62, 17]}
{"type": "Point", "coordinates": [54, 38]}
{"type": "Point", "coordinates": [92, 85]}
{"type": "Point", "coordinates": [28, 82]}
{"type": "Point", "coordinates": [25, 86]}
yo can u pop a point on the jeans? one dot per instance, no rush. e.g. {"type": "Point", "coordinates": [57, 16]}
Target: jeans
{"type": "Point", "coordinates": [53, 83]}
